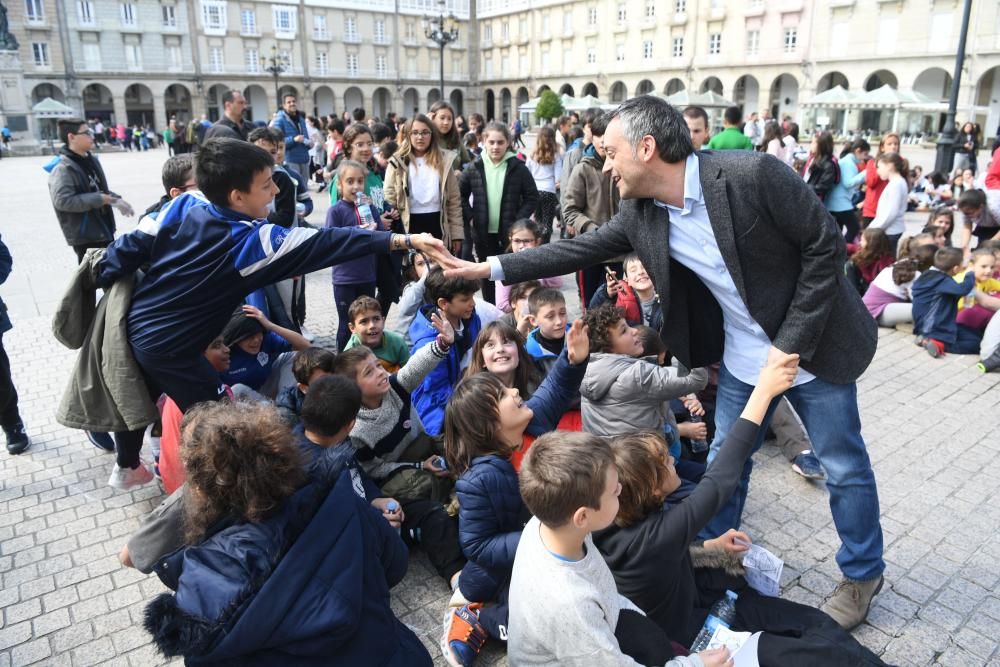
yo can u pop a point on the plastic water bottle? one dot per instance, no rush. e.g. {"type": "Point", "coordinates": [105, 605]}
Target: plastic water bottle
{"type": "Point", "coordinates": [364, 205]}
{"type": "Point", "coordinates": [722, 613]}
{"type": "Point", "coordinates": [700, 445]}
{"type": "Point", "coordinates": [440, 463]}
{"type": "Point", "coordinates": [393, 507]}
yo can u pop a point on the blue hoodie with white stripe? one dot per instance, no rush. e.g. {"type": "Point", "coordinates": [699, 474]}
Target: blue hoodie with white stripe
{"type": "Point", "coordinates": [203, 261]}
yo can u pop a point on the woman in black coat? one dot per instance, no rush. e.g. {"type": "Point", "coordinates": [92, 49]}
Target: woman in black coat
{"type": "Point", "coordinates": [822, 172]}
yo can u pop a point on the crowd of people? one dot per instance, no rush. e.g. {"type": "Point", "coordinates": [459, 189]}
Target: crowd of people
{"type": "Point", "coordinates": [579, 485]}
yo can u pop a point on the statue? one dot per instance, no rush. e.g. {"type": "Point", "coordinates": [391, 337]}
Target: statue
{"type": "Point", "coordinates": [7, 41]}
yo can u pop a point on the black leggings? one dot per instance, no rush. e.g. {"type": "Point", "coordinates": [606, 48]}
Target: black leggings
{"type": "Point", "coordinates": [848, 221]}
{"type": "Point", "coordinates": [426, 223]}
{"type": "Point", "coordinates": [545, 213]}
{"type": "Point", "coordinates": [10, 418]}
{"type": "Point", "coordinates": [486, 247]}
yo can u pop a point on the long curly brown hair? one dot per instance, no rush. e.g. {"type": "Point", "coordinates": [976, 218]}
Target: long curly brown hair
{"type": "Point", "coordinates": [241, 462]}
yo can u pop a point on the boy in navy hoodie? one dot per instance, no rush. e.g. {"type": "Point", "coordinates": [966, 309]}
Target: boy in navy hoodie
{"type": "Point", "coordinates": [547, 308]}
{"type": "Point", "coordinates": [177, 310]}
{"type": "Point", "coordinates": [455, 299]}
{"type": "Point", "coordinates": [935, 306]}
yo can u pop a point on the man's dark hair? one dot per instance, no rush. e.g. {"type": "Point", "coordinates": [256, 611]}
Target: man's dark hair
{"type": "Point", "coordinates": [589, 115]}
{"type": "Point", "coordinates": [68, 126]}
{"type": "Point", "coordinates": [332, 403]}
{"type": "Point", "coordinates": [287, 95]}
{"type": "Point", "coordinates": [732, 115]}
{"type": "Point", "coordinates": [695, 111]}
{"type": "Point", "coordinates": [309, 360]}
{"type": "Point", "coordinates": [946, 259]}
{"type": "Point", "coordinates": [647, 115]}
{"type": "Point", "coordinates": [599, 322]}
{"type": "Point", "coordinates": [381, 132]}
{"type": "Point", "coordinates": [269, 135]}
{"type": "Point", "coordinates": [358, 114]}
{"type": "Point", "coordinates": [177, 171]}
{"type": "Point", "coordinates": [436, 286]}
{"type": "Point", "coordinates": [229, 96]}
{"type": "Point", "coordinates": [599, 124]}
{"type": "Point", "coordinates": [389, 149]}
{"type": "Point", "coordinates": [336, 125]}
{"type": "Point", "coordinates": [971, 200]}
{"type": "Point", "coordinates": [223, 165]}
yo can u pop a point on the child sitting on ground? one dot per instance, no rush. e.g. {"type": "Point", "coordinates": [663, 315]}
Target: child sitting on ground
{"type": "Point", "coordinates": [356, 277]}
{"type": "Point", "coordinates": [309, 364]}
{"type": "Point", "coordinates": [975, 312]}
{"type": "Point", "coordinates": [455, 299]}
{"type": "Point", "coordinates": [935, 306]}
{"type": "Point", "coordinates": [547, 308]}
{"type": "Point", "coordinates": [524, 234]}
{"type": "Point", "coordinates": [621, 391]}
{"type": "Point", "coordinates": [888, 298]}
{"type": "Point", "coordinates": [634, 294]}
{"type": "Point", "coordinates": [272, 568]}
{"type": "Point", "coordinates": [260, 364]}
{"type": "Point", "coordinates": [564, 607]}
{"type": "Point", "coordinates": [868, 257]}
{"type": "Point", "coordinates": [393, 448]}
{"type": "Point", "coordinates": [484, 453]}
{"type": "Point", "coordinates": [368, 328]}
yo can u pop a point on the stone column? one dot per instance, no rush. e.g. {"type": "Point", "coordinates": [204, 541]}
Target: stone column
{"type": "Point", "coordinates": [159, 112]}
{"type": "Point", "coordinates": [121, 115]}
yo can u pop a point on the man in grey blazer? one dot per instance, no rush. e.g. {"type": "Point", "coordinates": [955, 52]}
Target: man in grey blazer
{"type": "Point", "coordinates": [746, 261]}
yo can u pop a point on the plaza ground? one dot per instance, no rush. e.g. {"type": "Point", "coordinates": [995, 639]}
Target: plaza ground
{"type": "Point", "coordinates": [931, 427]}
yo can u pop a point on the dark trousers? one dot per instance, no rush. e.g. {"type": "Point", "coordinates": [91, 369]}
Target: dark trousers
{"type": "Point", "coordinates": [545, 213]}
{"type": "Point", "coordinates": [485, 247]}
{"type": "Point", "coordinates": [9, 416]}
{"type": "Point", "coordinates": [82, 249]}
{"type": "Point", "coordinates": [640, 638]}
{"type": "Point", "coordinates": [344, 296]}
{"type": "Point", "coordinates": [438, 534]}
{"type": "Point", "coordinates": [966, 342]}
{"type": "Point", "coordinates": [426, 223]}
{"type": "Point", "coordinates": [848, 221]}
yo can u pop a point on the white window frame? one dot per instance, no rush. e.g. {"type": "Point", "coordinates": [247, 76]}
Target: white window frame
{"type": "Point", "coordinates": [248, 22]}
{"type": "Point", "coordinates": [175, 58]}
{"type": "Point", "coordinates": [85, 12]}
{"type": "Point", "coordinates": [92, 49]}
{"type": "Point", "coordinates": [568, 21]}
{"type": "Point", "coordinates": [505, 31]}
{"type": "Point", "coordinates": [487, 66]}
{"type": "Point", "coordinates": [378, 32]}
{"type": "Point", "coordinates": [284, 18]}
{"type": "Point", "coordinates": [791, 39]}
{"type": "Point", "coordinates": [251, 59]}
{"type": "Point", "coordinates": [568, 61]}
{"type": "Point", "coordinates": [288, 57]}
{"type": "Point", "coordinates": [622, 13]}
{"type": "Point", "coordinates": [351, 29]}
{"type": "Point", "coordinates": [647, 49]}
{"type": "Point", "coordinates": [216, 60]}
{"type": "Point", "coordinates": [213, 17]}
{"type": "Point", "coordinates": [546, 26]}
{"type": "Point", "coordinates": [753, 43]}
{"type": "Point", "coordinates": [322, 63]}
{"type": "Point", "coordinates": [382, 66]}
{"type": "Point", "coordinates": [168, 14]}
{"type": "Point", "coordinates": [715, 43]}
{"type": "Point", "coordinates": [680, 6]}
{"type": "Point", "coordinates": [619, 53]}
{"type": "Point", "coordinates": [40, 54]}
{"type": "Point", "coordinates": [352, 64]}
{"type": "Point", "coordinates": [127, 10]}
{"type": "Point", "coordinates": [34, 11]}
{"type": "Point", "coordinates": [591, 56]}
{"type": "Point", "coordinates": [677, 47]}
{"type": "Point", "coordinates": [487, 33]}
{"type": "Point", "coordinates": [320, 31]}
{"type": "Point", "coordinates": [592, 16]}
{"type": "Point", "coordinates": [133, 57]}
{"type": "Point", "coordinates": [650, 9]}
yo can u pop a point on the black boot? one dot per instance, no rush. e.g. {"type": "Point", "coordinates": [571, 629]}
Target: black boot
{"type": "Point", "coordinates": [17, 439]}
{"type": "Point", "coordinates": [990, 363]}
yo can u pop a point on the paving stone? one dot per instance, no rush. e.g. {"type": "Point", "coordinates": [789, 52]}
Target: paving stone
{"type": "Point", "coordinates": [95, 653]}
{"type": "Point", "coordinates": [11, 635]}
{"type": "Point", "coordinates": [22, 611]}
{"type": "Point", "coordinates": [56, 620]}
{"type": "Point", "coordinates": [73, 636]}
{"type": "Point", "coordinates": [31, 652]}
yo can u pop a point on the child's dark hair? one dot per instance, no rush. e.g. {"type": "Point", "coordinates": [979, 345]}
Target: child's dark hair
{"type": "Point", "coordinates": [599, 322]}
{"type": "Point", "coordinates": [520, 290]}
{"type": "Point", "coordinates": [389, 149]}
{"type": "Point", "coordinates": [348, 361]}
{"type": "Point", "coordinates": [437, 286]}
{"type": "Point", "coordinates": [990, 244]}
{"type": "Point", "coordinates": [410, 268]}
{"type": "Point", "coordinates": [599, 125]}
{"type": "Point", "coordinates": [332, 403]}
{"type": "Point", "coordinates": [876, 247]}
{"type": "Point", "coordinates": [946, 259]}
{"type": "Point", "coordinates": [362, 305]}
{"type": "Point", "coordinates": [652, 343]}
{"type": "Point", "coordinates": [629, 258]}
{"type": "Point", "coordinates": [527, 373]}
{"type": "Point", "coordinates": [68, 126]}
{"type": "Point", "coordinates": [943, 212]}
{"type": "Point", "coordinates": [223, 165]}
{"type": "Point", "coordinates": [895, 160]}
{"type": "Point", "coordinates": [268, 135]}
{"type": "Point", "coordinates": [919, 260]}
{"type": "Point", "coordinates": [971, 200]}
{"type": "Point", "coordinates": [562, 472]}
{"type": "Point", "coordinates": [545, 296]}
{"type": "Point", "coordinates": [470, 140]}
{"type": "Point", "coordinates": [980, 251]}
{"type": "Point", "coordinates": [177, 171]}
{"type": "Point", "coordinates": [472, 422]}
{"type": "Point", "coordinates": [523, 224]}
{"type": "Point", "coordinates": [381, 132]}
{"type": "Point", "coordinates": [242, 460]}
{"type": "Point", "coordinates": [310, 360]}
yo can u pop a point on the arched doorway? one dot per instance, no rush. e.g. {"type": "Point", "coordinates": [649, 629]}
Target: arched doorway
{"type": "Point", "coordinates": [433, 95]}
{"type": "Point", "coordinates": [675, 85]}
{"type": "Point", "coordinates": [457, 99]}
{"type": "Point", "coordinates": [411, 102]}
{"type": "Point", "coordinates": [522, 96]}
{"type": "Point", "coordinates": [618, 92]}
{"type": "Point", "coordinates": [935, 83]}
{"type": "Point", "coordinates": [784, 97]}
{"type": "Point", "coordinates": [830, 80]}
{"type": "Point", "coordinates": [353, 99]}
{"type": "Point", "coordinates": [589, 88]}
{"type": "Point", "coordinates": [43, 90]}
{"type": "Point", "coordinates": [746, 94]}
{"type": "Point", "coordinates": [257, 103]}
{"type": "Point", "coordinates": [177, 99]}
{"type": "Point", "coordinates": [98, 103]}
{"type": "Point", "coordinates": [139, 105]}
{"type": "Point", "coordinates": [645, 87]}
{"type": "Point", "coordinates": [213, 103]}
{"type": "Point", "coordinates": [381, 103]}
{"type": "Point", "coordinates": [566, 89]}
{"type": "Point", "coordinates": [505, 100]}
{"type": "Point", "coordinates": [988, 95]}
{"type": "Point", "coordinates": [713, 84]}
{"type": "Point", "coordinates": [324, 102]}
{"type": "Point", "coordinates": [491, 104]}
{"type": "Point", "coordinates": [880, 78]}
{"type": "Point", "coordinates": [542, 89]}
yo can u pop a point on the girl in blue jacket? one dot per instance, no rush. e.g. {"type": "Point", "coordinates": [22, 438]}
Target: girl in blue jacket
{"type": "Point", "coordinates": [491, 514]}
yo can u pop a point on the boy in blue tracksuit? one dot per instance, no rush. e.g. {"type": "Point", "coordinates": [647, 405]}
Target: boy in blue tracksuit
{"type": "Point", "coordinates": [454, 297]}
{"type": "Point", "coordinates": [935, 306]}
{"type": "Point", "coordinates": [206, 251]}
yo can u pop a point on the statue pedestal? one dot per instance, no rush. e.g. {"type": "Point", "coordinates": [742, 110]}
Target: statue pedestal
{"type": "Point", "coordinates": [14, 110]}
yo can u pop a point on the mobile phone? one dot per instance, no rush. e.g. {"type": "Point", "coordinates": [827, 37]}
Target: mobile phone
{"type": "Point", "coordinates": [610, 273]}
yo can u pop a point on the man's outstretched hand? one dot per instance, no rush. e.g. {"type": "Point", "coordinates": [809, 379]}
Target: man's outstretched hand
{"type": "Point", "coordinates": [459, 268]}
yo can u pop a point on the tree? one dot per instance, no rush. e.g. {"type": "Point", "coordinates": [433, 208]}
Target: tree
{"type": "Point", "coordinates": [549, 106]}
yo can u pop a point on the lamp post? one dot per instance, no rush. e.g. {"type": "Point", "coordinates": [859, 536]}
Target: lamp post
{"type": "Point", "coordinates": [437, 31]}
{"type": "Point", "coordinates": [275, 65]}
{"type": "Point", "coordinates": [949, 135]}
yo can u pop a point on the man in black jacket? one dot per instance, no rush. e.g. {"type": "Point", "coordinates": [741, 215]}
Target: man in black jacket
{"type": "Point", "coordinates": [10, 417]}
{"type": "Point", "coordinates": [747, 263]}
{"type": "Point", "coordinates": [231, 124]}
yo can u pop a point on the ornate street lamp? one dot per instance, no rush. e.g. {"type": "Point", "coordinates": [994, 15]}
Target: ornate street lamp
{"type": "Point", "coordinates": [275, 65]}
{"type": "Point", "coordinates": [442, 31]}
{"type": "Point", "coordinates": [949, 135]}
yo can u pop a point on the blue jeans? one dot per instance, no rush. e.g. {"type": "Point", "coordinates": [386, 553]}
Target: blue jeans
{"type": "Point", "coordinates": [830, 414]}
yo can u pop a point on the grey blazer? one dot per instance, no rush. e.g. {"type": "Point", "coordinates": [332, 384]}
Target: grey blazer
{"type": "Point", "coordinates": [782, 248]}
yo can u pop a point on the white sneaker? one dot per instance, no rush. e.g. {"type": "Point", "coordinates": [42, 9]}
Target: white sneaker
{"type": "Point", "coordinates": [127, 478]}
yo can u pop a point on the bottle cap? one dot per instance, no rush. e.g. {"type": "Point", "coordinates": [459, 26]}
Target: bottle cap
{"type": "Point", "coordinates": [392, 506]}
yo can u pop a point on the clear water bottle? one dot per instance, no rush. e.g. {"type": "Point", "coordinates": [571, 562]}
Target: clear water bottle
{"type": "Point", "coordinates": [722, 613]}
{"type": "Point", "coordinates": [364, 205]}
{"type": "Point", "coordinates": [700, 445]}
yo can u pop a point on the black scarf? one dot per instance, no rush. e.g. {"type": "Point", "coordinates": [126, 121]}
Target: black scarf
{"type": "Point", "coordinates": [98, 183]}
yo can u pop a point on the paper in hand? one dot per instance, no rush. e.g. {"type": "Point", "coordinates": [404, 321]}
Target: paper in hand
{"type": "Point", "coordinates": [763, 570]}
